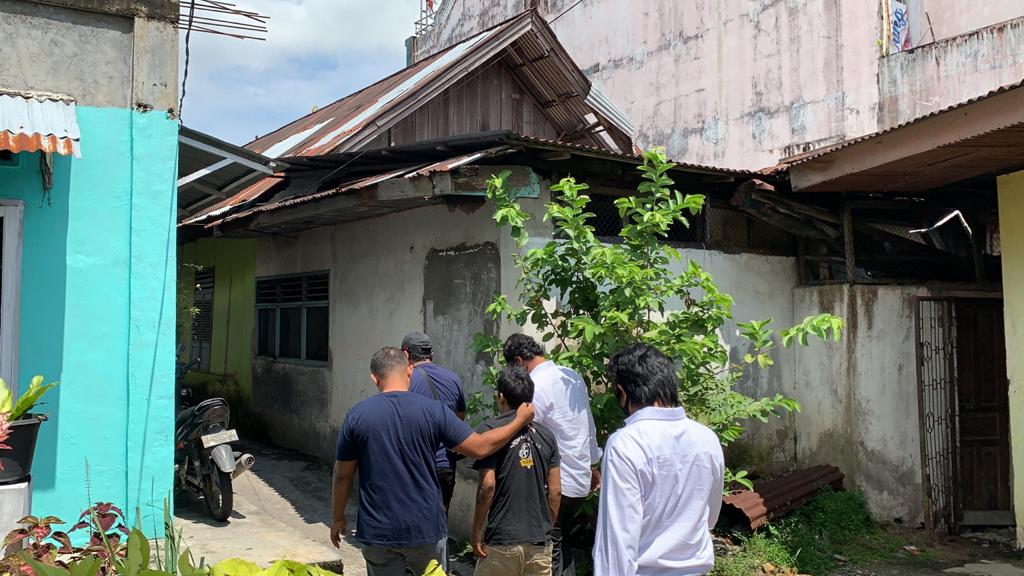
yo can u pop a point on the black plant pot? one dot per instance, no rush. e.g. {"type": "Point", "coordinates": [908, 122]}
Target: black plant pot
{"type": "Point", "coordinates": [17, 462]}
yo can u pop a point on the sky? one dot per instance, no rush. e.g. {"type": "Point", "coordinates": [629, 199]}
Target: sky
{"type": "Point", "coordinates": [316, 52]}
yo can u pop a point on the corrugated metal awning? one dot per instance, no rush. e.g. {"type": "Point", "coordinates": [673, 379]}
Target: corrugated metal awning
{"type": "Point", "coordinates": [38, 121]}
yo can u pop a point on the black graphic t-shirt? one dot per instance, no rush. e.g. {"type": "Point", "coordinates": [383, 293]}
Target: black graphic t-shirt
{"type": "Point", "coordinates": [519, 512]}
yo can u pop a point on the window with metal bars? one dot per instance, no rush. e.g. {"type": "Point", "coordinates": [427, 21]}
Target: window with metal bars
{"type": "Point", "coordinates": [292, 314]}
{"type": "Point", "coordinates": [202, 322]}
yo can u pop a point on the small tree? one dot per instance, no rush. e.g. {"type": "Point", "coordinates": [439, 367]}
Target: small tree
{"type": "Point", "coordinates": [588, 300]}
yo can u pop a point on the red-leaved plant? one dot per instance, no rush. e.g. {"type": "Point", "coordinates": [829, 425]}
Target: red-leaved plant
{"type": "Point", "coordinates": [41, 543]}
{"type": "Point", "coordinates": [104, 522]}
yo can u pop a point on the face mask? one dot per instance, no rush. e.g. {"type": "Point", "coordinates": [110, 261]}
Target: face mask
{"type": "Point", "coordinates": [623, 402]}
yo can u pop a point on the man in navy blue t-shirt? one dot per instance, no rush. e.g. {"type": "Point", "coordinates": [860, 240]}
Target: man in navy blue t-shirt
{"type": "Point", "coordinates": [391, 439]}
{"type": "Point", "coordinates": [443, 385]}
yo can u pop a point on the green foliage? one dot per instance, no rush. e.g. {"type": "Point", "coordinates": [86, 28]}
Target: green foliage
{"type": "Point", "coordinates": [17, 410]}
{"type": "Point", "coordinates": [588, 300]}
{"type": "Point", "coordinates": [753, 553]}
{"type": "Point", "coordinates": [811, 539]}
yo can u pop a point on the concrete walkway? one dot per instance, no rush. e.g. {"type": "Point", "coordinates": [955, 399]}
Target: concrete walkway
{"type": "Point", "coordinates": [282, 510]}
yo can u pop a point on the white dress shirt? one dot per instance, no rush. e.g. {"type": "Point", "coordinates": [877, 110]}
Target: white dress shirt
{"type": "Point", "coordinates": [561, 402]}
{"type": "Point", "coordinates": [661, 494]}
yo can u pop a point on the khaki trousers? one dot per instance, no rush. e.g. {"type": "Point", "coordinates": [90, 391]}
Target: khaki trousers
{"type": "Point", "coordinates": [515, 560]}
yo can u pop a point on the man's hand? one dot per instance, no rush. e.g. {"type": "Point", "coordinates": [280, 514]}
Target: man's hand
{"type": "Point", "coordinates": [595, 480]}
{"type": "Point", "coordinates": [478, 547]}
{"type": "Point", "coordinates": [524, 414]}
{"type": "Point", "coordinates": [338, 530]}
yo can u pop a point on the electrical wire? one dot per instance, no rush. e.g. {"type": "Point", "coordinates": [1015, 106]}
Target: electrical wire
{"type": "Point", "coordinates": [188, 36]}
{"type": "Point", "coordinates": [564, 12]}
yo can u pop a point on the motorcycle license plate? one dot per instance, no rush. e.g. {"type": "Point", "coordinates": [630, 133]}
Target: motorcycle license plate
{"type": "Point", "coordinates": [211, 440]}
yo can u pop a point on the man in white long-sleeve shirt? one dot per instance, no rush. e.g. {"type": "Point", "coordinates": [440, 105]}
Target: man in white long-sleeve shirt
{"type": "Point", "coordinates": [663, 475]}
{"type": "Point", "coordinates": [561, 402]}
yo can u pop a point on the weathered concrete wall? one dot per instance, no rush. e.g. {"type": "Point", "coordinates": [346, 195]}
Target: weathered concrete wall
{"type": "Point", "coordinates": [860, 395]}
{"type": "Point", "coordinates": [1011, 210]}
{"type": "Point", "coordinates": [940, 74]}
{"type": "Point", "coordinates": [101, 58]}
{"type": "Point", "coordinates": [742, 84]}
{"type": "Point", "coordinates": [377, 296]}
{"type": "Point", "coordinates": [955, 17]}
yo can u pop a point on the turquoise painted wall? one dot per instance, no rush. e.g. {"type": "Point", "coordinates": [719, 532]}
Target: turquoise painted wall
{"type": "Point", "coordinates": [97, 313]}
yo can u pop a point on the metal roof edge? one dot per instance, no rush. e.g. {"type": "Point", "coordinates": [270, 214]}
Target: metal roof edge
{"type": "Point", "coordinates": [798, 159]}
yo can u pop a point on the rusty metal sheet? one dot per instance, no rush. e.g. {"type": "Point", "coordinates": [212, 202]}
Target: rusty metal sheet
{"type": "Point", "coordinates": [38, 121]}
{"type": "Point", "coordinates": [772, 499]}
{"type": "Point", "coordinates": [525, 44]}
{"type": "Point", "coordinates": [225, 206]}
{"type": "Point", "coordinates": [406, 172]}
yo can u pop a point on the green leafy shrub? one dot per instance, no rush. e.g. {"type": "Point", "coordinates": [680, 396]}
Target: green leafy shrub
{"type": "Point", "coordinates": [611, 295]}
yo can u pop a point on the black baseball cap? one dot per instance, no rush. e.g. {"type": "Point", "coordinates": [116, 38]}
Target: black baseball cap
{"type": "Point", "coordinates": [417, 342]}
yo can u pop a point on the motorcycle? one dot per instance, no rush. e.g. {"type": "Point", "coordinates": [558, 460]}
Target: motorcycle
{"type": "Point", "coordinates": [204, 462]}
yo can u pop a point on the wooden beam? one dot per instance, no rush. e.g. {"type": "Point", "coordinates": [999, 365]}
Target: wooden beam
{"type": "Point", "coordinates": [851, 263]}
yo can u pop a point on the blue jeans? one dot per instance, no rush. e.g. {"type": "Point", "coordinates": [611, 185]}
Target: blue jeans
{"type": "Point", "coordinates": [382, 561]}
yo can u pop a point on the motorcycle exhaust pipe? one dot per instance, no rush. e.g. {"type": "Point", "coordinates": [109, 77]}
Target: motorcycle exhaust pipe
{"type": "Point", "coordinates": [242, 464]}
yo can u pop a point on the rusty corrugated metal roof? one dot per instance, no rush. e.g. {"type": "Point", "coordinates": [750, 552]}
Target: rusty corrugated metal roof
{"type": "Point", "coordinates": [38, 121]}
{"type": "Point", "coordinates": [532, 53]}
{"type": "Point", "coordinates": [409, 172]}
{"type": "Point", "coordinates": [819, 152]}
{"type": "Point", "coordinates": [774, 498]}
{"type": "Point", "coordinates": [372, 167]}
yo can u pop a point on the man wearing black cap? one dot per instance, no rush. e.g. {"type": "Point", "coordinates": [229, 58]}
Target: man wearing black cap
{"type": "Point", "coordinates": [443, 385]}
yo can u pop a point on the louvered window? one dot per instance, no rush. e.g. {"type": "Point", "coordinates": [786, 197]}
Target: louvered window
{"type": "Point", "coordinates": [292, 314]}
{"type": "Point", "coordinates": [202, 322]}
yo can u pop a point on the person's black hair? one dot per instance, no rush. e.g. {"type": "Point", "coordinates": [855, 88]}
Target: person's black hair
{"type": "Point", "coordinates": [515, 384]}
{"type": "Point", "coordinates": [415, 355]}
{"type": "Point", "coordinates": [646, 375]}
{"type": "Point", "coordinates": [387, 360]}
{"type": "Point", "coordinates": [521, 346]}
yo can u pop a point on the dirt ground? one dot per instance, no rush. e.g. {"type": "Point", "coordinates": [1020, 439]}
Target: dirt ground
{"type": "Point", "coordinates": [985, 553]}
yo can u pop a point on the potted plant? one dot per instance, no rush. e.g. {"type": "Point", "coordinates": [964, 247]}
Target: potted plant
{"type": "Point", "coordinates": [22, 429]}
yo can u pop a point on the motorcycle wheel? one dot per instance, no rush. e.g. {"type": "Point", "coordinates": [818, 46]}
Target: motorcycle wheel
{"type": "Point", "coordinates": [218, 495]}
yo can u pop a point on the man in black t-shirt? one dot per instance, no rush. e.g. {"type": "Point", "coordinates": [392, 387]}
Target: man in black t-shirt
{"type": "Point", "coordinates": [512, 497]}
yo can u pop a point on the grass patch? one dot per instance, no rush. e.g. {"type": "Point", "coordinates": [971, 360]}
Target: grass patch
{"type": "Point", "coordinates": [833, 529]}
{"type": "Point", "coordinates": [751, 556]}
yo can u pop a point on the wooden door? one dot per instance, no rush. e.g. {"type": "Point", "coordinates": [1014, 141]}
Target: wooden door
{"type": "Point", "coordinates": [984, 421]}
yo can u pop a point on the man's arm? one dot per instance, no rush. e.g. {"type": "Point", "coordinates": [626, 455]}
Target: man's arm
{"type": "Point", "coordinates": [483, 445]}
{"type": "Point", "coordinates": [620, 515]}
{"type": "Point", "coordinates": [344, 473]}
{"type": "Point", "coordinates": [484, 497]}
{"type": "Point", "coordinates": [554, 492]}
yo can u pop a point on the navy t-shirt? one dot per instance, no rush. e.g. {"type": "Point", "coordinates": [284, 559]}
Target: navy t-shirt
{"type": "Point", "coordinates": [393, 435]}
{"type": "Point", "coordinates": [449, 391]}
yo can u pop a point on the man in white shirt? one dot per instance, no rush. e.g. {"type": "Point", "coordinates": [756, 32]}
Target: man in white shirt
{"type": "Point", "coordinates": [663, 475]}
{"type": "Point", "coordinates": [561, 402]}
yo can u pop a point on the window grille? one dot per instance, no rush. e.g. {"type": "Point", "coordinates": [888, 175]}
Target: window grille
{"type": "Point", "coordinates": [202, 322]}
{"type": "Point", "coordinates": [292, 317]}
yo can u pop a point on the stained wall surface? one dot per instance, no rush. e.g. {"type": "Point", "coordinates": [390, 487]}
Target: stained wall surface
{"type": "Point", "coordinates": [743, 84]}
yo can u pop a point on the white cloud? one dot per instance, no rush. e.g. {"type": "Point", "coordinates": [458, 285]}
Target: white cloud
{"type": "Point", "coordinates": [316, 52]}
